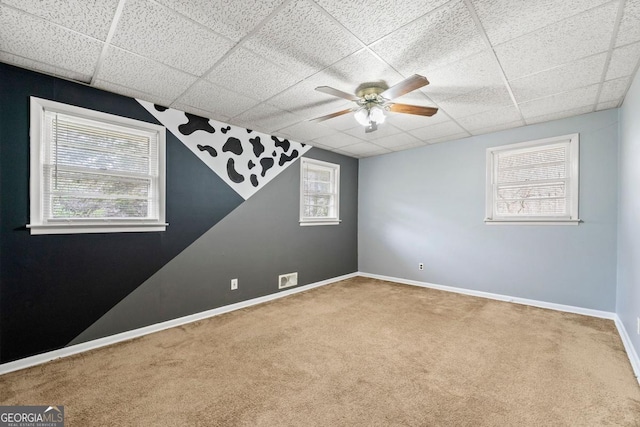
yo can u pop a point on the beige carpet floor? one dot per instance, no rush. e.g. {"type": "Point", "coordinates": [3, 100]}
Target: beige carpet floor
{"type": "Point", "coordinates": [360, 352]}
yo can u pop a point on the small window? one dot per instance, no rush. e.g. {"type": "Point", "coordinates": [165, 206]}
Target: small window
{"type": "Point", "coordinates": [93, 172]}
{"type": "Point", "coordinates": [534, 182]}
{"type": "Point", "coordinates": [319, 193]}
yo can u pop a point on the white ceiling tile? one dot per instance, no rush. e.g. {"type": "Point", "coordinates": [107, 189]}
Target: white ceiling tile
{"type": "Point", "coordinates": [614, 90]}
{"type": "Point", "coordinates": [413, 121]}
{"type": "Point", "coordinates": [132, 93]}
{"type": "Point", "coordinates": [150, 29]}
{"type": "Point", "coordinates": [341, 123]}
{"type": "Point", "coordinates": [43, 67]}
{"type": "Point", "coordinates": [623, 61]}
{"type": "Point", "coordinates": [560, 114]}
{"type": "Point", "coordinates": [408, 146]}
{"type": "Point", "coordinates": [428, 133]}
{"type": "Point", "coordinates": [318, 145]}
{"type": "Point", "coordinates": [448, 138]}
{"type": "Point", "coordinates": [497, 128]}
{"type": "Point", "coordinates": [384, 129]}
{"type": "Point", "coordinates": [304, 100]}
{"type": "Point", "coordinates": [266, 118]}
{"type": "Point", "coordinates": [575, 74]}
{"type": "Point", "coordinates": [490, 118]}
{"type": "Point", "coordinates": [471, 103]}
{"type": "Point", "coordinates": [387, 16]}
{"type": "Point", "coordinates": [444, 36]}
{"type": "Point", "coordinates": [629, 31]}
{"type": "Point", "coordinates": [233, 19]}
{"type": "Point", "coordinates": [199, 112]}
{"type": "Point", "coordinates": [220, 101]}
{"type": "Point", "coordinates": [245, 72]}
{"type": "Point", "coordinates": [302, 39]}
{"type": "Point", "coordinates": [607, 105]}
{"type": "Point", "coordinates": [464, 76]}
{"type": "Point", "coordinates": [558, 103]}
{"type": "Point", "coordinates": [582, 35]}
{"type": "Point", "coordinates": [305, 131]}
{"type": "Point", "coordinates": [92, 18]}
{"type": "Point", "coordinates": [398, 140]}
{"type": "Point", "coordinates": [34, 38]}
{"type": "Point", "coordinates": [507, 19]}
{"type": "Point", "coordinates": [364, 149]}
{"type": "Point", "coordinates": [142, 74]}
{"type": "Point", "coordinates": [337, 140]}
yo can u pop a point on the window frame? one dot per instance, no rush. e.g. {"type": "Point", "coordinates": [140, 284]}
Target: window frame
{"type": "Point", "coordinates": [41, 225]}
{"type": "Point", "coordinates": [333, 220]}
{"type": "Point", "coordinates": [573, 179]}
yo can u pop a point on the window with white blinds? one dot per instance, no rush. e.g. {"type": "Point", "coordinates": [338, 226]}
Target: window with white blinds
{"type": "Point", "coordinates": [319, 192]}
{"type": "Point", "coordinates": [535, 181]}
{"type": "Point", "coordinates": [94, 172]}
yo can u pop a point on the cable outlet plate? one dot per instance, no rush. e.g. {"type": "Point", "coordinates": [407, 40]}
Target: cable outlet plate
{"type": "Point", "coordinates": [234, 284]}
{"type": "Point", "coordinates": [421, 266]}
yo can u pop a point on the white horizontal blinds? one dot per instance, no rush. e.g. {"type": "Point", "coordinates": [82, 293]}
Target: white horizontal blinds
{"type": "Point", "coordinates": [98, 170]}
{"type": "Point", "coordinates": [319, 191]}
{"type": "Point", "coordinates": [533, 182]}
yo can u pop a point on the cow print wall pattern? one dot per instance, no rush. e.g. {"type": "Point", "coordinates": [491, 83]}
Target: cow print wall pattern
{"type": "Point", "coordinates": [244, 159]}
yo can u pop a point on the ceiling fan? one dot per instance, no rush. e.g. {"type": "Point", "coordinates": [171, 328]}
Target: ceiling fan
{"type": "Point", "coordinates": [373, 99]}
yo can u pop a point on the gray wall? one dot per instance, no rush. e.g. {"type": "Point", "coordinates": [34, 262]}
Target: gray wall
{"type": "Point", "coordinates": [628, 292]}
{"type": "Point", "coordinates": [428, 205]}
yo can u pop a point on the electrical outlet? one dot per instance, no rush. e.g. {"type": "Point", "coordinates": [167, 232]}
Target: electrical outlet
{"type": "Point", "coordinates": [420, 266]}
{"type": "Point", "coordinates": [287, 280]}
{"type": "Point", "coordinates": [234, 284]}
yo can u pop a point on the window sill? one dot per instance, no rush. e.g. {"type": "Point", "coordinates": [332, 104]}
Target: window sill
{"type": "Point", "coordinates": [327, 222]}
{"type": "Point", "coordinates": [532, 221]}
{"type": "Point", "coordinates": [119, 227]}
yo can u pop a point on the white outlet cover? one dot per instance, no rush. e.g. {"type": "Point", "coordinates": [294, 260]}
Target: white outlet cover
{"type": "Point", "coordinates": [287, 280]}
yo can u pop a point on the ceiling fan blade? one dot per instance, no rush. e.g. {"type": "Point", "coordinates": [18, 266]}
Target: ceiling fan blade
{"type": "Point", "coordinates": [335, 92]}
{"type": "Point", "coordinates": [407, 85]}
{"type": "Point", "coordinates": [413, 109]}
{"type": "Point", "coordinates": [331, 116]}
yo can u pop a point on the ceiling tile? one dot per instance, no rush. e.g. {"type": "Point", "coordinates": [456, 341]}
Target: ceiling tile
{"type": "Point", "coordinates": [614, 90]}
{"type": "Point", "coordinates": [398, 140]}
{"type": "Point", "coordinates": [560, 114]}
{"type": "Point", "coordinates": [149, 29]}
{"type": "Point", "coordinates": [444, 36]}
{"type": "Point", "coordinates": [233, 19]}
{"type": "Point", "coordinates": [408, 146]}
{"type": "Point", "coordinates": [133, 71]}
{"type": "Point", "coordinates": [582, 35]}
{"type": "Point", "coordinates": [575, 98]}
{"type": "Point", "coordinates": [453, 137]}
{"type": "Point", "coordinates": [220, 101]}
{"type": "Point", "coordinates": [302, 39]}
{"type": "Point", "coordinates": [92, 18]}
{"type": "Point", "coordinates": [384, 129]}
{"type": "Point", "coordinates": [43, 67]}
{"type": "Point", "coordinates": [304, 100]}
{"type": "Point", "coordinates": [437, 131]}
{"type": "Point", "coordinates": [266, 118]}
{"type": "Point", "coordinates": [496, 128]}
{"type": "Point", "coordinates": [507, 19]}
{"type": "Point", "coordinates": [575, 74]}
{"type": "Point", "coordinates": [629, 31]}
{"type": "Point", "coordinates": [306, 131]}
{"type": "Point", "coordinates": [363, 149]}
{"type": "Point", "coordinates": [464, 76]}
{"type": "Point", "coordinates": [387, 16]}
{"type": "Point", "coordinates": [247, 73]}
{"type": "Point", "coordinates": [132, 93]}
{"type": "Point", "coordinates": [623, 61]}
{"type": "Point", "coordinates": [477, 102]}
{"type": "Point", "coordinates": [341, 123]}
{"type": "Point", "coordinates": [607, 105]}
{"type": "Point", "coordinates": [491, 118]}
{"type": "Point", "coordinates": [34, 38]}
{"type": "Point", "coordinates": [337, 140]}
{"type": "Point", "coordinates": [412, 121]}
{"type": "Point", "coordinates": [200, 112]}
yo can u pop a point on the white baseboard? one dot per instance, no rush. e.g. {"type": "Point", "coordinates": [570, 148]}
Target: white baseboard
{"type": "Point", "coordinates": [626, 341]}
{"type": "Point", "coordinates": [135, 333]}
{"type": "Point", "coordinates": [628, 346]}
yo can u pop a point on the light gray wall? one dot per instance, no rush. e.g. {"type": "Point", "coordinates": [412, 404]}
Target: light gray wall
{"type": "Point", "coordinates": [428, 205]}
{"type": "Point", "coordinates": [628, 292]}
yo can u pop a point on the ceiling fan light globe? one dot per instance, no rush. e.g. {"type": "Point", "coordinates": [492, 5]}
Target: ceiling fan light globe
{"type": "Point", "coordinates": [376, 114]}
{"type": "Point", "coordinates": [362, 116]}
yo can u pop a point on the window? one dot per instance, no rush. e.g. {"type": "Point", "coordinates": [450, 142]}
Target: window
{"type": "Point", "coordinates": [93, 172]}
{"type": "Point", "coordinates": [319, 192]}
{"type": "Point", "coordinates": [534, 182]}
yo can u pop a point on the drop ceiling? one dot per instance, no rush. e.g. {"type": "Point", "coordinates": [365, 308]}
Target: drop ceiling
{"type": "Point", "coordinates": [492, 64]}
